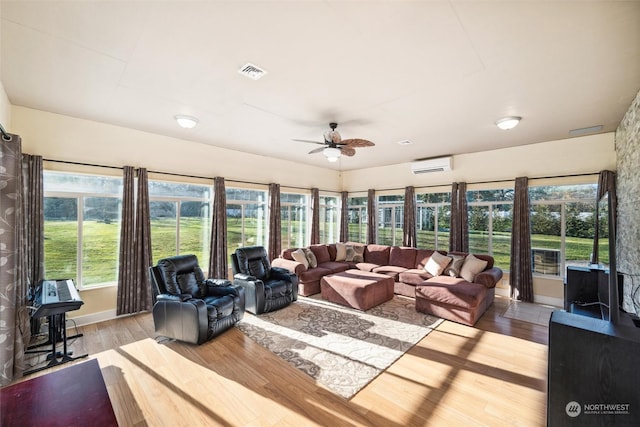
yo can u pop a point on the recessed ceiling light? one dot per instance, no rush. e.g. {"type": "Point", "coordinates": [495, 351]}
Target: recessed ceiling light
{"type": "Point", "coordinates": [252, 71]}
{"type": "Point", "coordinates": [507, 123]}
{"type": "Point", "coordinates": [405, 142]}
{"type": "Point", "coordinates": [186, 122]}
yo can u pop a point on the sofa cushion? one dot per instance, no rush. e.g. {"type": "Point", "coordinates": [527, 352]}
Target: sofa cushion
{"type": "Point", "coordinates": [377, 254]}
{"type": "Point", "coordinates": [402, 257]}
{"type": "Point", "coordinates": [437, 263]}
{"type": "Point", "coordinates": [341, 251]}
{"type": "Point", "coordinates": [366, 266]}
{"type": "Point", "coordinates": [422, 257]}
{"type": "Point", "coordinates": [471, 267]}
{"type": "Point", "coordinates": [299, 256]}
{"type": "Point", "coordinates": [313, 274]}
{"type": "Point", "coordinates": [321, 252]}
{"type": "Point", "coordinates": [335, 266]}
{"type": "Point", "coordinates": [414, 276]}
{"type": "Point", "coordinates": [453, 269]}
{"type": "Point", "coordinates": [453, 291]}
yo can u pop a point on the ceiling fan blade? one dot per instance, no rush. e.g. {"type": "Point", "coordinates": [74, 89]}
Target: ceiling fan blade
{"type": "Point", "coordinates": [308, 141]}
{"type": "Point", "coordinates": [347, 151]}
{"type": "Point", "coordinates": [317, 150]}
{"type": "Point", "coordinates": [358, 143]}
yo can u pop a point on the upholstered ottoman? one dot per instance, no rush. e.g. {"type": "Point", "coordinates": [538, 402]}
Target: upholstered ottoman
{"type": "Point", "coordinates": [357, 289]}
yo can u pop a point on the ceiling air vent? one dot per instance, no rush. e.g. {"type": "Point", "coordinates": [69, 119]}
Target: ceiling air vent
{"type": "Point", "coordinates": [252, 71]}
{"type": "Point", "coordinates": [440, 164]}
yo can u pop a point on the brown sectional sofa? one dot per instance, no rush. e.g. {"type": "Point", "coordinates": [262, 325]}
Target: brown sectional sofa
{"type": "Point", "coordinates": [452, 298]}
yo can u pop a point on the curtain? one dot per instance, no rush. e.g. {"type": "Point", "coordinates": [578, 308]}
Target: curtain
{"type": "Point", "coordinates": [520, 274]}
{"type": "Point", "coordinates": [372, 228]}
{"type": "Point", "coordinates": [459, 234]}
{"type": "Point", "coordinates": [409, 231]}
{"type": "Point", "coordinates": [134, 288]}
{"type": "Point", "coordinates": [606, 185]}
{"type": "Point", "coordinates": [344, 216]}
{"type": "Point", "coordinates": [15, 332]}
{"type": "Point", "coordinates": [32, 181]}
{"type": "Point", "coordinates": [275, 238]}
{"type": "Point", "coordinates": [218, 267]}
{"type": "Point", "coordinates": [315, 216]}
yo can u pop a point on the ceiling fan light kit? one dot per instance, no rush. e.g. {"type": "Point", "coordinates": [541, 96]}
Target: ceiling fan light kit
{"type": "Point", "coordinates": [507, 123]}
{"type": "Point", "coordinates": [332, 153]}
{"type": "Point", "coordinates": [186, 122]}
{"type": "Point", "coordinates": [335, 146]}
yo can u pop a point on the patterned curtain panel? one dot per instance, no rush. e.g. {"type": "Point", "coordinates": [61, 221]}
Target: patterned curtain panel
{"type": "Point", "coordinates": [372, 215]}
{"type": "Point", "coordinates": [32, 179]}
{"type": "Point", "coordinates": [134, 288]}
{"type": "Point", "coordinates": [275, 238]}
{"type": "Point", "coordinates": [14, 316]}
{"type": "Point", "coordinates": [409, 232]}
{"type": "Point", "coordinates": [344, 216]}
{"type": "Point", "coordinates": [521, 275]}
{"type": "Point", "coordinates": [218, 262]}
{"type": "Point", "coordinates": [459, 234]}
{"type": "Point", "coordinates": [315, 216]}
{"type": "Point", "coordinates": [606, 185]}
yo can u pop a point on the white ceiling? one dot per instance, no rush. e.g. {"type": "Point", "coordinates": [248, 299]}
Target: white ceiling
{"type": "Point", "coordinates": [436, 73]}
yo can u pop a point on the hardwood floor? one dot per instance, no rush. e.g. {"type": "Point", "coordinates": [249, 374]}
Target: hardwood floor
{"type": "Point", "coordinates": [490, 375]}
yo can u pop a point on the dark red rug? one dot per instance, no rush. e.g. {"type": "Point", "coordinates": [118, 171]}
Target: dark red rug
{"type": "Point", "coordinates": [74, 396]}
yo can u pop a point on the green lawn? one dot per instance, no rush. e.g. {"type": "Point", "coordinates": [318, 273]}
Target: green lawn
{"type": "Point", "coordinates": [100, 245]}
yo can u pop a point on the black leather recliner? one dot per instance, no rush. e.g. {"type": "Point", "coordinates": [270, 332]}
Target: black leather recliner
{"type": "Point", "coordinates": [267, 288]}
{"type": "Point", "coordinates": [189, 307]}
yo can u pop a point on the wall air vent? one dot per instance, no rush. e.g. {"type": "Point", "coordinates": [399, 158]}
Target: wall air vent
{"type": "Point", "coordinates": [252, 71]}
{"type": "Point", "coordinates": [440, 164]}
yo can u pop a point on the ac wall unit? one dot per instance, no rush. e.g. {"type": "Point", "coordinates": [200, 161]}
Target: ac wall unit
{"type": "Point", "coordinates": [440, 164]}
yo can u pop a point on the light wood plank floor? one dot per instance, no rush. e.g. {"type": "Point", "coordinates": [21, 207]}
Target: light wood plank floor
{"type": "Point", "coordinates": [490, 375]}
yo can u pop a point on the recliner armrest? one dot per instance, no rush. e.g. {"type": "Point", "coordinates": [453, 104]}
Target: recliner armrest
{"type": "Point", "coordinates": [284, 274]}
{"type": "Point", "coordinates": [169, 297]}
{"type": "Point", "coordinates": [244, 277]}
{"type": "Point", "coordinates": [183, 320]}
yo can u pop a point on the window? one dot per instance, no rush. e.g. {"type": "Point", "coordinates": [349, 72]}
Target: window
{"type": "Point", "coordinates": [357, 219]}
{"type": "Point", "coordinates": [490, 222]}
{"type": "Point", "coordinates": [82, 227]}
{"type": "Point", "coordinates": [562, 227]}
{"type": "Point", "coordinates": [180, 219]}
{"type": "Point", "coordinates": [433, 219]}
{"type": "Point", "coordinates": [246, 218]}
{"type": "Point", "coordinates": [293, 209]}
{"type": "Point", "coordinates": [390, 219]}
{"type": "Point", "coordinates": [329, 219]}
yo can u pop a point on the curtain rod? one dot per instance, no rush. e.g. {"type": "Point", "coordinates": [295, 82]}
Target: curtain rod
{"type": "Point", "coordinates": [181, 175]}
{"type": "Point", "coordinates": [482, 182]}
{"type": "Point", "coordinates": [4, 133]}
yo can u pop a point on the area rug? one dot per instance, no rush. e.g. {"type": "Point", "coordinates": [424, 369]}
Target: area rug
{"type": "Point", "coordinates": [528, 312]}
{"type": "Point", "coordinates": [343, 349]}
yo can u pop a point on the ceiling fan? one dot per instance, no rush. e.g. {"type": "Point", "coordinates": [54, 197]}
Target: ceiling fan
{"type": "Point", "coordinates": [334, 146]}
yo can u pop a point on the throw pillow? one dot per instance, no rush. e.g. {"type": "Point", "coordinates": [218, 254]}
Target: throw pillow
{"type": "Point", "coordinates": [299, 256]}
{"type": "Point", "coordinates": [311, 257]}
{"type": "Point", "coordinates": [358, 253]}
{"type": "Point", "coordinates": [454, 268]}
{"type": "Point", "coordinates": [471, 267]}
{"type": "Point", "coordinates": [341, 251]}
{"type": "Point", "coordinates": [437, 263]}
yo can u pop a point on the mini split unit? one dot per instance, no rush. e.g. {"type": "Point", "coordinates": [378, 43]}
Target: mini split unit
{"type": "Point", "coordinates": [440, 164]}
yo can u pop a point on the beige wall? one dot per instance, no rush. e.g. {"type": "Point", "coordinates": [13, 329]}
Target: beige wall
{"type": "Point", "coordinates": [5, 110]}
{"type": "Point", "coordinates": [61, 137]}
{"type": "Point", "coordinates": [586, 154]}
